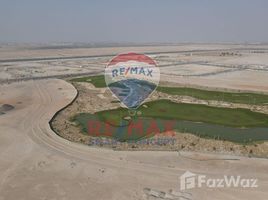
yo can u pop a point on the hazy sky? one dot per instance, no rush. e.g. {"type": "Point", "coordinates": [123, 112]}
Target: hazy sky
{"type": "Point", "coordinates": [42, 21]}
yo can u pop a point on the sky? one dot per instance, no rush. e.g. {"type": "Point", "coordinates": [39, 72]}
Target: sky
{"type": "Point", "coordinates": [138, 21]}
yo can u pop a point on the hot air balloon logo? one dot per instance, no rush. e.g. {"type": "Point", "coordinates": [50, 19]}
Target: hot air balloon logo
{"type": "Point", "coordinates": [132, 78]}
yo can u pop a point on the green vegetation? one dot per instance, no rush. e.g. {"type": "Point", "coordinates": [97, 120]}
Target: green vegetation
{"type": "Point", "coordinates": [232, 97]}
{"type": "Point", "coordinates": [115, 101]}
{"type": "Point", "coordinates": [237, 125]}
{"type": "Point", "coordinates": [97, 81]}
{"type": "Point", "coordinates": [165, 109]}
{"type": "Point", "coordinates": [108, 129]}
{"type": "Point", "coordinates": [243, 98]}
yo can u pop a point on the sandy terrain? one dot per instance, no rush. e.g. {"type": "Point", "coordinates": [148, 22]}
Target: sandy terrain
{"type": "Point", "coordinates": [30, 51]}
{"type": "Point", "coordinates": [38, 164]}
{"type": "Point", "coordinates": [240, 67]}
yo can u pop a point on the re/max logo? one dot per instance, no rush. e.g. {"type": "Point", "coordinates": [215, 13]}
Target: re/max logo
{"type": "Point", "coordinates": [123, 71]}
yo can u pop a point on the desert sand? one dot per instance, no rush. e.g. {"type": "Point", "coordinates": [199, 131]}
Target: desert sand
{"type": "Point", "coordinates": [221, 66]}
{"type": "Point", "coordinates": [38, 164]}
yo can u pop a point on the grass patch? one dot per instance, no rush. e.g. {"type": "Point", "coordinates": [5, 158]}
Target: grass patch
{"type": "Point", "coordinates": [166, 109]}
{"type": "Point", "coordinates": [243, 98]}
{"type": "Point", "coordinates": [237, 125]}
{"type": "Point", "coordinates": [115, 101]}
{"type": "Point", "coordinates": [97, 81]}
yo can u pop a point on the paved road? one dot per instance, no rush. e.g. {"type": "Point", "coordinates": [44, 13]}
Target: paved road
{"type": "Point", "coordinates": [35, 163]}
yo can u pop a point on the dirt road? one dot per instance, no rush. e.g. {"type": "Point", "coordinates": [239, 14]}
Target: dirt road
{"type": "Point", "coordinates": [35, 163]}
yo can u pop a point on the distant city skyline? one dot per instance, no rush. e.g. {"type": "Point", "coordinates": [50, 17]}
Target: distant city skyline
{"type": "Point", "coordinates": [140, 21]}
